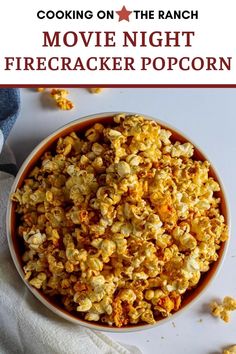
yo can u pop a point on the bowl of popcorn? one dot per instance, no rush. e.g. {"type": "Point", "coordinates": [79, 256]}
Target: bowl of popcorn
{"type": "Point", "coordinates": [117, 222]}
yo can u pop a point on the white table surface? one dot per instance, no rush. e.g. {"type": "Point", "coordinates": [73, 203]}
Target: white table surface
{"type": "Point", "coordinates": [208, 116]}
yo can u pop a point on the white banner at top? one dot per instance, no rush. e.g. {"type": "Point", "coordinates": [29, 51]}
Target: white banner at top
{"type": "Point", "coordinates": [119, 42]}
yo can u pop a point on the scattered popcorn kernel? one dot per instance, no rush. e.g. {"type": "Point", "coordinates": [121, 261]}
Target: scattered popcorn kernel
{"type": "Point", "coordinates": [230, 350]}
{"type": "Point", "coordinates": [96, 89]}
{"type": "Point", "coordinates": [119, 222]}
{"type": "Point", "coordinates": [222, 310]}
{"type": "Point", "coordinates": [60, 97]}
{"type": "Point", "coordinates": [64, 104]}
{"type": "Point", "coordinates": [40, 89]}
{"type": "Point", "coordinates": [229, 303]}
{"type": "Point", "coordinates": [59, 93]}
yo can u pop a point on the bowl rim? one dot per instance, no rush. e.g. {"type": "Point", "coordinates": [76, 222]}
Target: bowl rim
{"type": "Point", "coordinates": [65, 314]}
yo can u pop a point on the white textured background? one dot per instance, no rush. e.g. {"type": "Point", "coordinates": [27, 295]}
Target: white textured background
{"type": "Point", "coordinates": [208, 117]}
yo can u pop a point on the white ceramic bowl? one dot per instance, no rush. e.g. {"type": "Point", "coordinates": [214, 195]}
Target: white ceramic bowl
{"type": "Point", "coordinates": [15, 247]}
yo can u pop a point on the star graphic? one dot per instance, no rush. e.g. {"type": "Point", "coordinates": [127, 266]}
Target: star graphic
{"type": "Point", "coordinates": [123, 14]}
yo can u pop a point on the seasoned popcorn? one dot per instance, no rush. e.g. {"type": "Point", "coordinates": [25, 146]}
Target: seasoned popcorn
{"type": "Point", "coordinates": [223, 310]}
{"type": "Point", "coordinates": [120, 222]}
{"type": "Point", "coordinates": [96, 89]}
{"type": "Point", "coordinates": [60, 97]}
{"type": "Point", "coordinates": [230, 350]}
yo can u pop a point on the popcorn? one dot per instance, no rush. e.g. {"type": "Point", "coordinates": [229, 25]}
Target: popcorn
{"type": "Point", "coordinates": [84, 305]}
{"type": "Point", "coordinates": [96, 89]}
{"type": "Point", "coordinates": [147, 316]}
{"type": "Point", "coordinates": [149, 294]}
{"type": "Point", "coordinates": [229, 303]}
{"type": "Point", "coordinates": [223, 310]}
{"type": "Point", "coordinates": [60, 96]}
{"type": "Point", "coordinates": [94, 263]}
{"type": "Point", "coordinates": [107, 248]}
{"type": "Point", "coordinates": [179, 150]}
{"type": "Point", "coordinates": [37, 281]}
{"type": "Point", "coordinates": [97, 281]}
{"type": "Point", "coordinates": [230, 350]}
{"type": "Point", "coordinates": [123, 168]}
{"type": "Point", "coordinates": [127, 295]}
{"type": "Point", "coordinates": [120, 222]}
{"type": "Point", "coordinates": [34, 239]}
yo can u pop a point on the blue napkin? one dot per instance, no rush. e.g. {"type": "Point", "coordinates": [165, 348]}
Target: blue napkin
{"type": "Point", "coordinates": [9, 111]}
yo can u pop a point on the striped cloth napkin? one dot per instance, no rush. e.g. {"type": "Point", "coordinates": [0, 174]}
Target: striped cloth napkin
{"type": "Point", "coordinates": [26, 326]}
{"type": "Point", "coordinates": [9, 110]}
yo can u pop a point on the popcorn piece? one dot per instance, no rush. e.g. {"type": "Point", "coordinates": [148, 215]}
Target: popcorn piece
{"type": "Point", "coordinates": [229, 303]}
{"type": "Point", "coordinates": [60, 96]}
{"type": "Point", "coordinates": [123, 168]}
{"type": "Point", "coordinates": [85, 305]}
{"type": "Point", "coordinates": [97, 281]}
{"type": "Point", "coordinates": [223, 310]}
{"type": "Point", "coordinates": [230, 350]}
{"type": "Point", "coordinates": [64, 104]}
{"type": "Point", "coordinates": [96, 89]}
{"type": "Point", "coordinates": [37, 282]}
{"type": "Point", "coordinates": [120, 222]}
{"type": "Point", "coordinates": [185, 150]}
{"type": "Point", "coordinates": [34, 239]}
{"type": "Point", "coordinates": [90, 316]}
{"type": "Point", "coordinates": [127, 295]}
{"type": "Point", "coordinates": [107, 247]}
{"type": "Point", "coordinates": [147, 316]}
{"type": "Point", "coordinates": [149, 294]}
{"type": "Point", "coordinates": [59, 93]}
